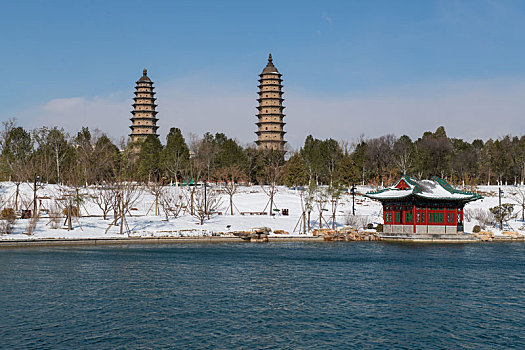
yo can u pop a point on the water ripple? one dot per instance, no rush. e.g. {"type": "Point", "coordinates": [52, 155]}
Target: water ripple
{"type": "Point", "coordinates": [264, 296]}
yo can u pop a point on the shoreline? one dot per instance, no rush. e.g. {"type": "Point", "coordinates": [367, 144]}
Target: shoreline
{"type": "Point", "coordinates": [50, 242]}
{"type": "Point", "coordinates": [141, 240]}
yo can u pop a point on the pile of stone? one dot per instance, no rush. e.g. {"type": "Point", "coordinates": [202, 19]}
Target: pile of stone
{"type": "Point", "coordinates": [349, 234]}
{"type": "Point", "coordinates": [259, 234]}
{"type": "Point", "coordinates": [322, 231]}
{"type": "Point", "coordinates": [512, 234]}
{"type": "Point", "coordinates": [484, 236]}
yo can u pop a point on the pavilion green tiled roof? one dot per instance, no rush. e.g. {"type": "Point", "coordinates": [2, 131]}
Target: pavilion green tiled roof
{"type": "Point", "coordinates": [433, 189]}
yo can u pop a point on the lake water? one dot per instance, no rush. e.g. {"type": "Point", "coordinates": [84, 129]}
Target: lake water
{"type": "Point", "coordinates": [264, 296]}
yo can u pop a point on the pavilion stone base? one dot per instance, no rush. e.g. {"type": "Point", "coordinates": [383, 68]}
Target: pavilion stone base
{"type": "Point", "coordinates": [428, 237]}
{"type": "Point", "coordinates": [431, 233]}
{"type": "Point", "coordinates": [421, 229]}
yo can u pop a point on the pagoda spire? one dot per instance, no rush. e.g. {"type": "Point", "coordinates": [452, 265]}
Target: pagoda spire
{"type": "Point", "coordinates": [270, 133]}
{"type": "Point", "coordinates": [144, 120]}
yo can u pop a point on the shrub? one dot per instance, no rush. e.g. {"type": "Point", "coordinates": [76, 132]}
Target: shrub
{"type": "Point", "coordinates": [31, 226]}
{"type": "Point", "coordinates": [8, 214]}
{"type": "Point", "coordinates": [379, 228]}
{"type": "Point", "coordinates": [6, 227]}
{"type": "Point", "coordinates": [483, 217]}
{"type": "Point", "coordinates": [356, 221]}
{"type": "Point", "coordinates": [74, 211]}
{"type": "Point", "coordinates": [476, 229]}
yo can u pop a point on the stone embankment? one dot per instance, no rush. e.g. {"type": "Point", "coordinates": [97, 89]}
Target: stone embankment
{"type": "Point", "coordinates": [488, 236]}
{"type": "Point", "coordinates": [346, 234]}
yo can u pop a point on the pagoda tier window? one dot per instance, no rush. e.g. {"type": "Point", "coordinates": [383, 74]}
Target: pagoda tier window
{"type": "Point", "coordinates": [408, 217]}
{"type": "Point", "coordinates": [388, 217]}
{"type": "Point", "coordinates": [420, 217]}
{"type": "Point", "coordinates": [450, 218]}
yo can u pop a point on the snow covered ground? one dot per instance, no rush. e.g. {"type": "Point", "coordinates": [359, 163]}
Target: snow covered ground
{"type": "Point", "coordinates": [144, 223]}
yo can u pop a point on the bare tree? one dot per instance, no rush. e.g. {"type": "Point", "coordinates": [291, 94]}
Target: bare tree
{"type": "Point", "coordinates": [335, 191]}
{"type": "Point", "coordinates": [378, 153]}
{"type": "Point", "coordinates": [207, 202]}
{"type": "Point", "coordinates": [321, 199]}
{"type": "Point", "coordinates": [519, 198]}
{"type": "Point", "coordinates": [309, 198]}
{"type": "Point", "coordinates": [155, 188]}
{"type": "Point", "coordinates": [71, 200]}
{"type": "Point", "coordinates": [103, 197]}
{"type": "Point", "coordinates": [272, 173]}
{"type": "Point", "coordinates": [35, 186]}
{"type": "Point", "coordinates": [55, 215]}
{"type": "Point", "coordinates": [126, 195]}
{"type": "Point", "coordinates": [171, 202]}
{"type": "Point", "coordinates": [403, 154]}
{"type": "Point", "coordinates": [193, 174]}
{"type": "Point", "coordinates": [231, 176]}
{"type": "Point", "coordinates": [58, 142]}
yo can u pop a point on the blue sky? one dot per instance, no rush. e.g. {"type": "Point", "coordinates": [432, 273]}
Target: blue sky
{"type": "Point", "coordinates": [357, 65]}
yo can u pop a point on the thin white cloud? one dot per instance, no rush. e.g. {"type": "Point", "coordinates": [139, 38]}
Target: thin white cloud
{"type": "Point", "coordinates": [327, 18]}
{"type": "Point", "coordinates": [469, 110]}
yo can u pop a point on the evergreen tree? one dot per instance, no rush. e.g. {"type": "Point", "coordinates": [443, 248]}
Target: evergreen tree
{"type": "Point", "coordinates": [149, 159]}
{"type": "Point", "coordinates": [295, 171]}
{"type": "Point", "coordinates": [347, 172]}
{"type": "Point", "coordinates": [176, 155]}
{"type": "Point", "coordinates": [16, 152]}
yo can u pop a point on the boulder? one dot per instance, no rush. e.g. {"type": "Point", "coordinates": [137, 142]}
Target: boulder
{"type": "Point", "coordinates": [512, 234]}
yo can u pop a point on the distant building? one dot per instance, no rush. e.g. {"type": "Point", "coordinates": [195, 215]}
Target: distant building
{"type": "Point", "coordinates": [425, 207]}
{"type": "Point", "coordinates": [144, 120]}
{"type": "Point", "coordinates": [270, 125]}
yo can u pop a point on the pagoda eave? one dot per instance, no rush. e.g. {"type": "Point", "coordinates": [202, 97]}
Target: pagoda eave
{"type": "Point", "coordinates": [270, 132]}
{"type": "Point", "coordinates": [260, 92]}
{"type": "Point", "coordinates": [152, 112]}
{"type": "Point", "coordinates": [144, 92]}
{"type": "Point", "coordinates": [278, 85]}
{"type": "Point", "coordinates": [271, 106]}
{"type": "Point", "coordinates": [260, 99]}
{"type": "Point", "coordinates": [272, 122]}
{"type": "Point", "coordinates": [279, 142]}
{"type": "Point", "coordinates": [132, 127]}
{"type": "Point", "coordinates": [145, 104]}
{"type": "Point", "coordinates": [143, 134]}
{"type": "Point", "coordinates": [144, 118]}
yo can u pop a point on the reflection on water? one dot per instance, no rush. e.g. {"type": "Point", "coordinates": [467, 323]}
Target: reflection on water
{"type": "Point", "coordinates": [277, 295]}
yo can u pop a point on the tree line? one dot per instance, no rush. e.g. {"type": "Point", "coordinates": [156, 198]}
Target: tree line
{"type": "Point", "coordinates": [91, 157]}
